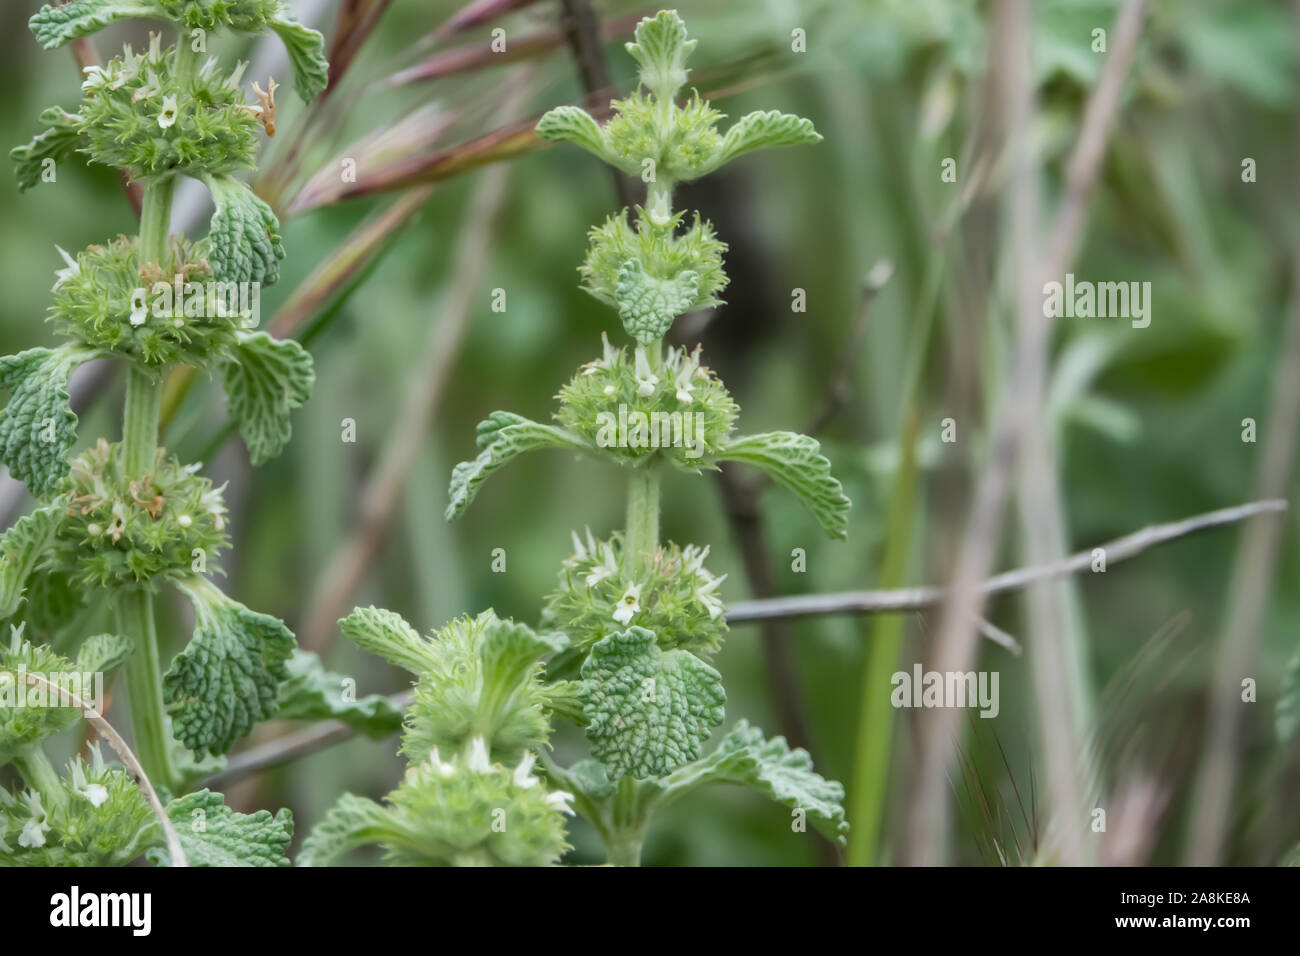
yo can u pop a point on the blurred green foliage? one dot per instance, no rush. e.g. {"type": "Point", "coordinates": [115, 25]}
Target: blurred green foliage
{"type": "Point", "coordinates": [1149, 420]}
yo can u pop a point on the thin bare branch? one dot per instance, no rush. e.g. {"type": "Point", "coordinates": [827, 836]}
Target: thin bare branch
{"type": "Point", "coordinates": [902, 600]}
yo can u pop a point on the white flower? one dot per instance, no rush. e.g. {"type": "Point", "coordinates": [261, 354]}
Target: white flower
{"type": "Point", "coordinates": [523, 775]}
{"type": "Point", "coordinates": [151, 86]}
{"type": "Point", "coordinates": [704, 594]}
{"type": "Point", "coordinates": [211, 504]}
{"type": "Point", "coordinates": [71, 268]}
{"type": "Point", "coordinates": [236, 78]}
{"type": "Point", "coordinates": [560, 800]}
{"type": "Point", "coordinates": [127, 71]}
{"type": "Point", "coordinates": [155, 47]}
{"type": "Point", "coordinates": [693, 560]}
{"type": "Point", "coordinates": [168, 115]}
{"type": "Point", "coordinates": [95, 78]}
{"type": "Point", "coordinates": [184, 520]}
{"type": "Point", "coordinates": [690, 365]}
{"type": "Point", "coordinates": [628, 604]}
{"type": "Point", "coordinates": [478, 756]}
{"type": "Point", "coordinates": [607, 568]}
{"type": "Point", "coordinates": [94, 792]}
{"type": "Point", "coordinates": [646, 380]}
{"type": "Point", "coordinates": [139, 307]}
{"type": "Point", "coordinates": [117, 526]}
{"type": "Point", "coordinates": [607, 361]}
{"type": "Point", "coordinates": [94, 530]}
{"type": "Point", "coordinates": [33, 834]}
{"type": "Point", "coordinates": [444, 769]}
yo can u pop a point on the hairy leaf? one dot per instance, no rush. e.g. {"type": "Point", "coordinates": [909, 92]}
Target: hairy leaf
{"type": "Point", "coordinates": [795, 462]}
{"type": "Point", "coordinates": [572, 124]}
{"type": "Point", "coordinates": [773, 769]}
{"type": "Point", "coordinates": [503, 436]}
{"type": "Point", "coordinates": [386, 634]}
{"type": "Point", "coordinates": [306, 49]}
{"type": "Point", "coordinates": [648, 711]}
{"type": "Point", "coordinates": [211, 834]}
{"type": "Point", "coordinates": [29, 713]}
{"type": "Point", "coordinates": [103, 653]}
{"type": "Point", "coordinates": [229, 676]}
{"type": "Point", "coordinates": [352, 822]}
{"type": "Point", "coordinates": [55, 25]}
{"type": "Point", "coordinates": [759, 130]}
{"type": "Point", "coordinates": [660, 50]}
{"type": "Point", "coordinates": [313, 693]}
{"type": "Point", "coordinates": [38, 427]}
{"type": "Point", "coordinates": [244, 235]}
{"type": "Point", "coordinates": [56, 143]}
{"type": "Point", "coordinates": [22, 548]}
{"type": "Point", "coordinates": [265, 379]}
{"type": "Point", "coordinates": [648, 305]}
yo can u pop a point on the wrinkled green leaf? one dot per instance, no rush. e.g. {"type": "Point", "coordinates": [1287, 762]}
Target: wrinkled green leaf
{"type": "Point", "coordinates": [55, 25]}
{"type": "Point", "coordinates": [648, 711]}
{"type": "Point", "coordinates": [386, 634]}
{"type": "Point", "coordinates": [211, 834]}
{"type": "Point", "coordinates": [648, 305]}
{"type": "Point", "coordinates": [352, 822]}
{"type": "Point", "coordinates": [21, 549]}
{"type": "Point", "coordinates": [760, 130]}
{"type": "Point", "coordinates": [265, 379]}
{"type": "Point", "coordinates": [503, 437]}
{"type": "Point", "coordinates": [313, 693]}
{"type": "Point", "coordinates": [229, 676]}
{"type": "Point", "coordinates": [38, 427]}
{"type": "Point", "coordinates": [660, 49]}
{"type": "Point", "coordinates": [1288, 705]}
{"type": "Point", "coordinates": [773, 769]}
{"type": "Point", "coordinates": [244, 235]}
{"type": "Point", "coordinates": [795, 462]}
{"type": "Point", "coordinates": [306, 49]}
{"type": "Point", "coordinates": [56, 143]}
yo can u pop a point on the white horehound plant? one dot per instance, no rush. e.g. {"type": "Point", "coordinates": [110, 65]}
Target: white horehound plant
{"type": "Point", "coordinates": [122, 520]}
{"type": "Point", "coordinates": [624, 641]}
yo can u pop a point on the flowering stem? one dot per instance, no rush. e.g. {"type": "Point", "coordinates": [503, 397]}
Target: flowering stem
{"type": "Point", "coordinates": [642, 518]}
{"type": "Point", "coordinates": [135, 613]}
{"type": "Point", "coordinates": [135, 617]}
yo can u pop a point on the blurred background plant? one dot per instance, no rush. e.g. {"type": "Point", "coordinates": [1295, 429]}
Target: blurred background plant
{"type": "Point", "coordinates": [911, 318]}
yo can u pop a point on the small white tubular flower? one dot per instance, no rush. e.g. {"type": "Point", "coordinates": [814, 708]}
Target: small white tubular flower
{"type": "Point", "coordinates": [96, 793]}
{"type": "Point", "coordinates": [184, 520]}
{"type": "Point", "coordinates": [139, 306]}
{"type": "Point", "coordinates": [444, 769]}
{"type": "Point", "coordinates": [152, 85]}
{"type": "Point", "coordinates": [646, 380]}
{"type": "Point", "coordinates": [33, 835]}
{"type": "Point", "coordinates": [478, 756]}
{"type": "Point", "coordinates": [126, 72]}
{"type": "Point", "coordinates": [712, 603]}
{"type": "Point", "coordinates": [95, 78]}
{"type": "Point", "coordinates": [208, 68]}
{"type": "Point", "coordinates": [560, 800]}
{"type": "Point", "coordinates": [608, 358]}
{"type": "Point", "coordinates": [70, 269]}
{"type": "Point", "coordinates": [169, 111]}
{"type": "Point", "coordinates": [212, 504]}
{"type": "Point", "coordinates": [579, 550]}
{"type": "Point", "coordinates": [693, 560]}
{"type": "Point", "coordinates": [155, 47]}
{"type": "Point", "coordinates": [607, 568]}
{"type": "Point", "coordinates": [682, 382]}
{"type": "Point", "coordinates": [523, 775]}
{"type": "Point", "coordinates": [117, 527]}
{"type": "Point", "coordinates": [236, 78]}
{"type": "Point", "coordinates": [628, 604]}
